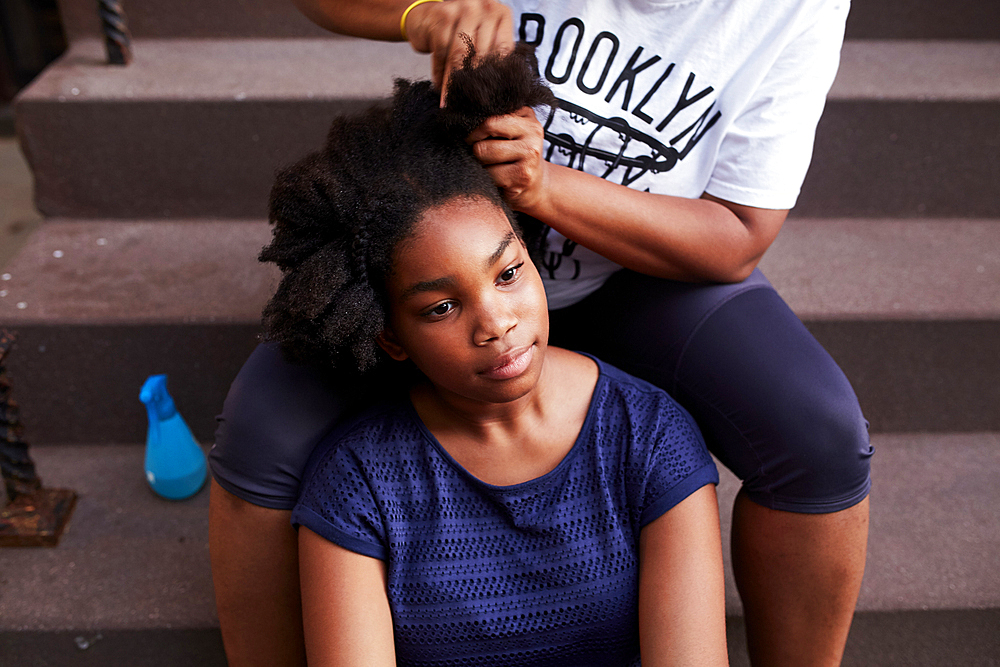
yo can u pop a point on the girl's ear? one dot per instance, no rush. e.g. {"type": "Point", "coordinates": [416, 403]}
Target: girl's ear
{"type": "Point", "coordinates": [387, 341]}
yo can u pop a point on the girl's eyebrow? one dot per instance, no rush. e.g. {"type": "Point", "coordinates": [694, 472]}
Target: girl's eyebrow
{"type": "Point", "coordinates": [439, 283]}
{"type": "Point", "coordinates": [426, 286]}
{"type": "Point", "coordinates": [498, 253]}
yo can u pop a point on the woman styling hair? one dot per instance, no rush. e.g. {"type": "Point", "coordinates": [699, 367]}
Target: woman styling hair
{"type": "Point", "coordinates": [684, 131]}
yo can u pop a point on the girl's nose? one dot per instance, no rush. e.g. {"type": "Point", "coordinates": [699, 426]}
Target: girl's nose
{"type": "Point", "coordinates": [495, 321]}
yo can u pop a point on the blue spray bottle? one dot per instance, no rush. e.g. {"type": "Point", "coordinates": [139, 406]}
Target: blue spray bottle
{"type": "Point", "coordinates": [175, 464]}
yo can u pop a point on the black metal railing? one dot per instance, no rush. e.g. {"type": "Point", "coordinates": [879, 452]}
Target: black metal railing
{"type": "Point", "coordinates": [116, 34]}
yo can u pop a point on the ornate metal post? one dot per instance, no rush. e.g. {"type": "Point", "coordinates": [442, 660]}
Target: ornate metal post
{"type": "Point", "coordinates": [18, 470]}
{"type": "Point", "coordinates": [32, 516]}
{"type": "Point", "coordinates": [116, 33]}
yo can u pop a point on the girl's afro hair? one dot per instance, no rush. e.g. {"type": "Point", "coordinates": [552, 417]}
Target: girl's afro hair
{"type": "Point", "coordinates": [338, 214]}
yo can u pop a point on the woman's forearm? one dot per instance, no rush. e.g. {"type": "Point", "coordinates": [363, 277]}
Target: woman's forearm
{"type": "Point", "coordinates": [670, 237]}
{"type": "Point", "coordinates": [438, 28]}
{"type": "Point", "coordinates": [695, 240]}
{"type": "Point", "coordinates": [372, 19]}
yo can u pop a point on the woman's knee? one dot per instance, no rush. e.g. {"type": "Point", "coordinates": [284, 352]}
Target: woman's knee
{"type": "Point", "coordinates": [777, 408]}
{"type": "Point", "coordinates": [817, 454]}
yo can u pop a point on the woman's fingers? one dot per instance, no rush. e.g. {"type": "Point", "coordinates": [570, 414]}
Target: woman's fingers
{"type": "Point", "coordinates": [510, 147]}
{"type": "Point", "coordinates": [489, 27]}
{"type": "Point", "coordinates": [522, 185]}
{"type": "Point", "coordinates": [498, 151]}
{"type": "Point", "coordinates": [442, 28]}
{"type": "Point", "coordinates": [515, 137]}
{"type": "Point", "coordinates": [521, 124]}
{"type": "Point", "coordinates": [495, 33]}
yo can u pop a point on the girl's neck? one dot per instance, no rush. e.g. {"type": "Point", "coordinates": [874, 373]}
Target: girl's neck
{"type": "Point", "coordinates": [455, 413]}
{"type": "Point", "coordinates": [510, 443]}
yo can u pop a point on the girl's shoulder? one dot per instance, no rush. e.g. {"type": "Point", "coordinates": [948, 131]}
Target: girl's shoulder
{"type": "Point", "coordinates": [577, 372]}
{"type": "Point", "coordinates": [652, 439]}
{"type": "Point", "coordinates": [607, 387]}
{"type": "Point", "coordinates": [620, 395]}
{"type": "Point", "coordinates": [382, 428]}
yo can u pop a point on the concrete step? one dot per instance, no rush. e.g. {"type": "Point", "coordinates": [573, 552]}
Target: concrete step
{"type": "Point", "coordinates": [132, 561]}
{"type": "Point", "coordinates": [158, 647]}
{"type": "Point", "coordinates": [18, 217]}
{"type": "Point", "coordinates": [192, 127]}
{"type": "Point", "coordinates": [964, 637]}
{"type": "Point", "coordinates": [924, 19]}
{"type": "Point", "coordinates": [910, 129]}
{"type": "Point", "coordinates": [197, 127]}
{"type": "Point", "coordinates": [98, 306]}
{"type": "Point", "coordinates": [909, 308]}
{"type": "Point", "coordinates": [159, 19]}
{"type": "Point", "coordinates": [887, 19]}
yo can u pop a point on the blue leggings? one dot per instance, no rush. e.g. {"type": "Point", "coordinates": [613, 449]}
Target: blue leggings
{"type": "Point", "coordinates": [773, 405]}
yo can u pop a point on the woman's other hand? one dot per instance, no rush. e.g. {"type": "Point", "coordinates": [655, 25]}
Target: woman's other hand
{"type": "Point", "coordinates": [510, 147]}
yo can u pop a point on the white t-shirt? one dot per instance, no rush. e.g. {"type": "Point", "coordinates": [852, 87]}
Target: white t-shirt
{"type": "Point", "coordinates": [680, 97]}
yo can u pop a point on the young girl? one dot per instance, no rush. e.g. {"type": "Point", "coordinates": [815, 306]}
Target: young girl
{"type": "Point", "coordinates": [511, 504]}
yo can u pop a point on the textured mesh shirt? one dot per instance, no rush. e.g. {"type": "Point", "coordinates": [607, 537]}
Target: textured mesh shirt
{"type": "Point", "coordinates": [545, 572]}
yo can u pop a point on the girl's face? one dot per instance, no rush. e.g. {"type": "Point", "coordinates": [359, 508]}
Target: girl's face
{"type": "Point", "coordinates": [467, 305]}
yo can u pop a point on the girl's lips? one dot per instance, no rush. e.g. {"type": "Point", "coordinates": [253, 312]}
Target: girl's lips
{"type": "Point", "coordinates": [510, 365]}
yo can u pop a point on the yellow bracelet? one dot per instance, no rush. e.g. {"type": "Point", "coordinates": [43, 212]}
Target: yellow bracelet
{"type": "Point", "coordinates": [402, 21]}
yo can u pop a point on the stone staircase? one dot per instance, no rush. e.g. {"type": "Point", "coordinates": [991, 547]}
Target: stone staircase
{"type": "Point", "coordinates": [153, 179]}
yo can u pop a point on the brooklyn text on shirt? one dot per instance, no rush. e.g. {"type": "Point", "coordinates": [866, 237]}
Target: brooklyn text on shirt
{"type": "Point", "coordinates": [613, 149]}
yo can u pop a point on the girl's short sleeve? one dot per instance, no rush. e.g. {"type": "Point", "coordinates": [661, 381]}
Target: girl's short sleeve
{"type": "Point", "coordinates": [677, 463]}
{"type": "Point", "coordinates": [338, 501]}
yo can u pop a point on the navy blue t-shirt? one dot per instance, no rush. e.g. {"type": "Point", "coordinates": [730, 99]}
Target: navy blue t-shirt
{"type": "Point", "coordinates": [538, 573]}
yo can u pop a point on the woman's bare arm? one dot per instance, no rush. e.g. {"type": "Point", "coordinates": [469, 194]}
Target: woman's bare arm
{"type": "Point", "coordinates": [682, 608]}
{"type": "Point", "coordinates": [345, 606]}
{"type": "Point", "coordinates": [705, 239]}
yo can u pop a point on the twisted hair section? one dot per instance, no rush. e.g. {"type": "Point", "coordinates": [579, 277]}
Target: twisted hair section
{"type": "Point", "coordinates": [338, 214]}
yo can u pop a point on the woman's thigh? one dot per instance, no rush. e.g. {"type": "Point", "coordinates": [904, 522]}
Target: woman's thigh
{"type": "Point", "coordinates": [773, 405]}
{"type": "Point", "coordinates": [274, 415]}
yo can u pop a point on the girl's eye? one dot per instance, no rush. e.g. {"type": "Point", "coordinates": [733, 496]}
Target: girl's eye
{"type": "Point", "coordinates": [441, 309]}
{"type": "Point", "coordinates": [510, 274]}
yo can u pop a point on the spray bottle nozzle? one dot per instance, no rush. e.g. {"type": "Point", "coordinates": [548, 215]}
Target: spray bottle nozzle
{"type": "Point", "coordinates": [158, 401]}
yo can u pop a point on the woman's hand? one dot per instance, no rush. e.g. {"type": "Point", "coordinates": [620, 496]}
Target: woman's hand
{"type": "Point", "coordinates": [670, 237]}
{"type": "Point", "coordinates": [510, 147]}
{"type": "Point", "coordinates": [438, 28]}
